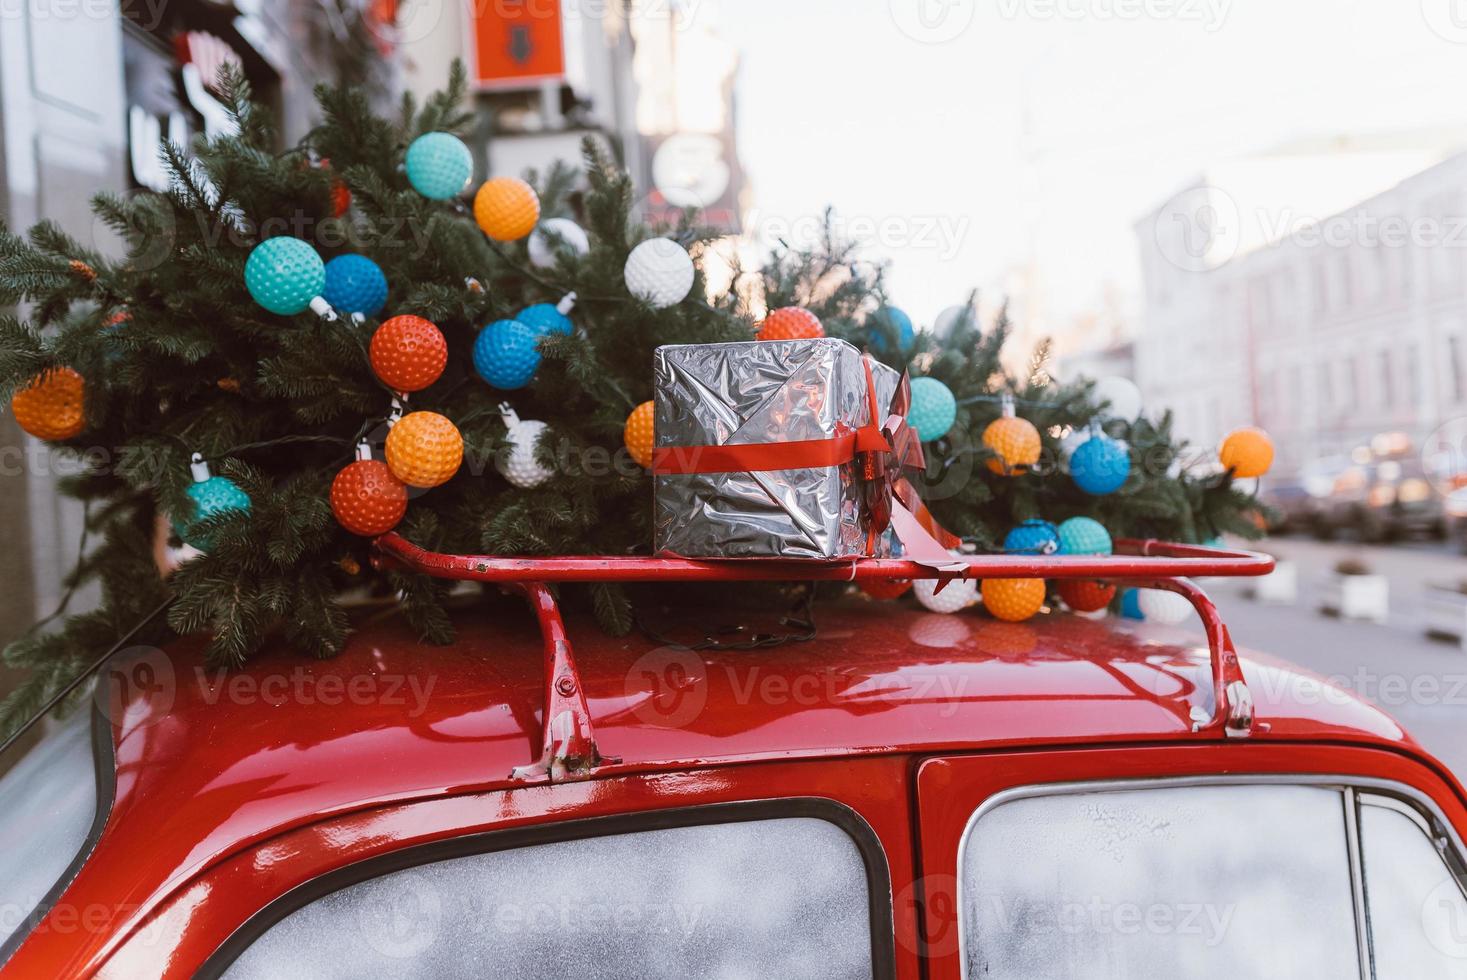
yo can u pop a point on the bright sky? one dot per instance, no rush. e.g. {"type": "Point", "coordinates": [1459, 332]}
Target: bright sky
{"type": "Point", "coordinates": [925, 140]}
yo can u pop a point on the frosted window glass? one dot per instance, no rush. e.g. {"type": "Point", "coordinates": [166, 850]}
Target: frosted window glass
{"type": "Point", "coordinates": [48, 801]}
{"type": "Point", "coordinates": [1418, 918]}
{"type": "Point", "coordinates": [780, 898]}
{"type": "Point", "coordinates": [1218, 881]}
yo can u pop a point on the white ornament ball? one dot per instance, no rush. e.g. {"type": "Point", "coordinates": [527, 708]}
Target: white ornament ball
{"type": "Point", "coordinates": [959, 594]}
{"type": "Point", "coordinates": [554, 236]}
{"type": "Point", "coordinates": [1161, 606]}
{"type": "Point", "coordinates": [659, 272]}
{"type": "Point", "coordinates": [1122, 394]}
{"type": "Point", "coordinates": [518, 464]}
{"type": "Point", "coordinates": [949, 318]}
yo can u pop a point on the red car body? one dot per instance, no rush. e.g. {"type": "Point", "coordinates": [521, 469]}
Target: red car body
{"type": "Point", "coordinates": [233, 790]}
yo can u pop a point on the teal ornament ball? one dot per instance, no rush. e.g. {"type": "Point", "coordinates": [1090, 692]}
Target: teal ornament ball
{"type": "Point", "coordinates": [211, 497]}
{"type": "Point", "coordinates": [1100, 465]}
{"type": "Point", "coordinates": [890, 316]}
{"type": "Point", "coordinates": [505, 354]}
{"type": "Point", "coordinates": [439, 166]}
{"type": "Point", "coordinates": [1084, 536]}
{"type": "Point", "coordinates": [934, 409]}
{"type": "Point", "coordinates": [544, 318]}
{"type": "Point", "coordinates": [284, 274]}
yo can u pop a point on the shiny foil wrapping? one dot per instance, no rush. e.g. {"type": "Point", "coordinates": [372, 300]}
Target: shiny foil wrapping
{"type": "Point", "coordinates": [764, 392]}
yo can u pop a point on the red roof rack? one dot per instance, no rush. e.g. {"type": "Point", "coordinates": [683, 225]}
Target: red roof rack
{"type": "Point", "coordinates": [570, 750]}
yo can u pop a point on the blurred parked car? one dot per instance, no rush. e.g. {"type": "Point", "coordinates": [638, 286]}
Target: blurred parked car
{"type": "Point", "coordinates": [1382, 501]}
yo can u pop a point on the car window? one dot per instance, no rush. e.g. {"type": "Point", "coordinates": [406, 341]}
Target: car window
{"type": "Point", "coordinates": [1415, 904]}
{"type": "Point", "coordinates": [784, 897]}
{"type": "Point", "coordinates": [1179, 881]}
{"type": "Point", "coordinates": [48, 804]}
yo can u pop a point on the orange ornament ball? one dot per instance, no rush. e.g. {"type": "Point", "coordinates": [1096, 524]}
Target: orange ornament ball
{"type": "Point", "coordinates": [1085, 595]}
{"type": "Point", "coordinates": [424, 449]}
{"type": "Point", "coordinates": [790, 323]}
{"type": "Point", "coordinates": [1013, 600]}
{"type": "Point", "coordinates": [886, 588]}
{"type": "Point", "coordinates": [50, 407]}
{"type": "Point", "coordinates": [408, 353]}
{"type": "Point", "coordinates": [637, 434]}
{"type": "Point", "coordinates": [506, 208]}
{"type": "Point", "coordinates": [1248, 452]}
{"type": "Point", "coordinates": [367, 499]}
{"type": "Point", "coordinates": [1015, 444]}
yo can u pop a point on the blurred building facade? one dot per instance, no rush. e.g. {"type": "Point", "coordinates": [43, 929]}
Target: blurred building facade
{"type": "Point", "coordinates": [1331, 325]}
{"type": "Point", "coordinates": [86, 92]}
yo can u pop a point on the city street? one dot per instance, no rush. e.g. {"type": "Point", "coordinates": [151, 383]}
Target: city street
{"type": "Point", "coordinates": [1421, 681]}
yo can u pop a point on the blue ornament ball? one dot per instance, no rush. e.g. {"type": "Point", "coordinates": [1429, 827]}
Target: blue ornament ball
{"type": "Point", "coordinates": [214, 496]}
{"type": "Point", "coordinates": [1100, 465]}
{"type": "Point", "coordinates": [934, 409]}
{"type": "Point", "coordinates": [284, 274]}
{"type": "Point", "coordinates": [355, 284]}
{"type": "Point", "coordinates": [1131, 604]}
{"type": "Point", "coordinates": [439, 166]}
{"type": "Point", "coordinates": [1032, 538]}
{"type": "Point", "coordinates": [544, 318]}
{"type": "Point", "coordinates": [505, 354]}
{"type": "Point", "coordinates": [1084, 536]}
{"type": "Point", "coordinates": [898, 319]}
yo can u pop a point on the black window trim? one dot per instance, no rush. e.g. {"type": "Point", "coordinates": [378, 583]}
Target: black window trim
{"type": "Point", "coordinates": [868, 845]}
{"type": "Point", "coordinates": [1350, 788]}
{"type": "Point", "coordinates": [104, 768]}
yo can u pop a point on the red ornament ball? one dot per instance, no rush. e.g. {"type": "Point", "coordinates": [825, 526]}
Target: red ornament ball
{"type": "Point", "coordinates": [886, 588]}
{"type": "Point", "coordinates": [1085, 595]}
{"type": "Point", "coordinates": [408, 353]}
{"type": "Point", "coordinates": [790, 323]}
{"type": "Point", "coordinates": [367, 499]}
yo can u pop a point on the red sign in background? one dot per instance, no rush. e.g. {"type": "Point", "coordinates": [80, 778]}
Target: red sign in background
{"type": "Point", "coordinates": [517, 42]}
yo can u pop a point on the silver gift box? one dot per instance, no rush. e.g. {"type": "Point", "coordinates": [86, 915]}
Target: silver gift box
{"type": "Point", "coordinates": [763, 392]}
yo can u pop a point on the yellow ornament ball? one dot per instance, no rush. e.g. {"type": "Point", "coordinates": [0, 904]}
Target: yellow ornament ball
{"type": "Point", "coordinates": [50, 407]}
{"type": "Point", "coordinates": [1013, 599]}
{"type": "Point", "coordinates": [1248, 452]}
{"type": "Point", "coordinates": [1015, 443]}
{"type": "Point", "coordinates": [424, 449]}
{"type": "Point", "coordinates": [506, 208]}
{"type": "Point", "coordinates": [637, 434]}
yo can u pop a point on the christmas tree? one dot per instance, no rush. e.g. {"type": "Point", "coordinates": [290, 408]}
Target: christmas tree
{"type": "Point", "coordinates": [176, 364]}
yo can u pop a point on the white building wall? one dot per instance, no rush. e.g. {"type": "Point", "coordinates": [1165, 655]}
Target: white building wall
{"type": "Point", "coordinates": [1352, 326]}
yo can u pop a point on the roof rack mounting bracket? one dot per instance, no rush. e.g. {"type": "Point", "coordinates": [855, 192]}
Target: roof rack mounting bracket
{"type": "Point", "coordinates": [568, 744]}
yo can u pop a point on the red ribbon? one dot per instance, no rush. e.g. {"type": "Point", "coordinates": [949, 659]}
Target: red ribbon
{"type": "Point", "coordinates": [885, 452]}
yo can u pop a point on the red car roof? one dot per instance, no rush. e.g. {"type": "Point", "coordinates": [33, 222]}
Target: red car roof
{"type": "Point", "coordinates": [394, 718]}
